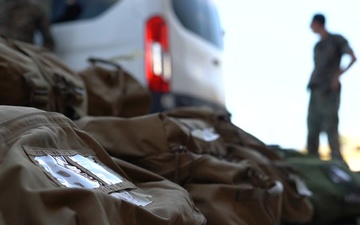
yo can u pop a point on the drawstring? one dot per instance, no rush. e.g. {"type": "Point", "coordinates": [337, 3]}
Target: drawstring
{"type": "Point", "coordinates": [178, 150]}
{"type": "Point", "coordinates": [259, 179]}
{"type": "Point", "coordinates": [264, 182]}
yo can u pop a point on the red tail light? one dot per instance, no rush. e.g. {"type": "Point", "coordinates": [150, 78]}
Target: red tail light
{"type": "Point", "coordinates": [157, 57]}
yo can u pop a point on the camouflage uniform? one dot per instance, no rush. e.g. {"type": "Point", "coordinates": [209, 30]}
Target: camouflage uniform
{"type": "Point", "coordinates": [20, 19]}
{"type": "Point", "coordinates": [324, 102]}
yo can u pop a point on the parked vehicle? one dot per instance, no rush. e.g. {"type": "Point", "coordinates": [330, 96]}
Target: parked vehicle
{"type": "Point", "coordinates": [174, 47]}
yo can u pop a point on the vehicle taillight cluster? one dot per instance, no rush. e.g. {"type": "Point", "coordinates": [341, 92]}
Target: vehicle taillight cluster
{"type": "Point", "coordinates": [157, 56]}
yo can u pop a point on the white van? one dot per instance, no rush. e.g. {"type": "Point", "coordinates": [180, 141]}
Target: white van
{"type": "Point", "coordinates": [174, 47]}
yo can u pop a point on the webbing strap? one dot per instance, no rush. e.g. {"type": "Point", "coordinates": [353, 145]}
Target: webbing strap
{"type": "Point", "coordinates": [39, 90]}
{"type": "Point", "coordinates": [39, 80]}
{"type": "Point", "coordinates": [42, 82]}
{"type": "Point", "coordinates": [124, 185]}
{"type": "Point", "coordinates": [178, 150]}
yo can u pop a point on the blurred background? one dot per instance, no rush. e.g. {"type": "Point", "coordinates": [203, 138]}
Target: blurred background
{"type": "Point", "coordinates": [267, 61]}
{"type": "Point", "coordinates": [268, 58]}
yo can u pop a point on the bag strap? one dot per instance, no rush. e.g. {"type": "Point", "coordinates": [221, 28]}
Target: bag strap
{"type": "Point", "coordinates": [39, 80]}
{"type": "Point", "coordinates": [39, 90]}
{"type": "Point", "coordinates": [94, 60]}
{"type": "Point", "coordinates": [178, 151]}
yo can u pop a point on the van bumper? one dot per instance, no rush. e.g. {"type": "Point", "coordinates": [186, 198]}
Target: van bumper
{"type": "Point", "coordinates": [166, 101]}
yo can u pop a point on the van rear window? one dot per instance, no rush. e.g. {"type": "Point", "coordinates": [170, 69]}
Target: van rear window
{"type": "Point", "coordinates": [63, 11]}
{"type": "Point", "coordinates": [200, 17]}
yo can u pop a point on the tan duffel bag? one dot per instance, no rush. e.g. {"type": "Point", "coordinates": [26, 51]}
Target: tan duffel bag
{"type": "Point", "coordinates": [112, 91]}
{"type": "Point", "coordinates": [33, 76]}
{"type": "Point", "coordinates": [54, 173]}
{"type": "Point", "coordinates": [225, 192]}
{"type": "Point", "coordinates": [214, 134]}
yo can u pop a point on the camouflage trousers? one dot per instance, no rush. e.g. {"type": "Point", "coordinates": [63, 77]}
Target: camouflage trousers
{"type": "Point", "coordinates": [323, 117]}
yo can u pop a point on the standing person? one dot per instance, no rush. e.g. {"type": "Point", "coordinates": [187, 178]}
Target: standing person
{"type": "Point", "coordinates": [21, 19]}
{"type": "Point", "coordinates": [324, 86]}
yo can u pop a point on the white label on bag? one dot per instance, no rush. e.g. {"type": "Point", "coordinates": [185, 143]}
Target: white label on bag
{"type": "Point", "coordinates": [206, 134]}
{"type": "Point", "coordinates": [105, 174]}
{"type": "Point", "coordinates": [133, 197]}
{"type": "Point", "coordinates": [66, 174]}
{"type": "Point", "coordinates": [338, 175]}
{"type": "Point", "coordinates": [301, 187]}
{"type": "Point", "coordinates": [73, 177]}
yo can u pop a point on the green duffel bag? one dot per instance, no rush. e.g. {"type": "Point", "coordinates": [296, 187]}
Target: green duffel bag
{"type": "Point", "coordinates": [335, 188]}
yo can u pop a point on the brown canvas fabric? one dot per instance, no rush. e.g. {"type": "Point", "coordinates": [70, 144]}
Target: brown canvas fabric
{"type": "Point", "coordinates": [35, 77]}
{"type": "Point", "coordinates": [296, 204]}
{"type": "Point", "coordinates": [54, 173]}
{"type": "Point", "coordinates": [113, 91]}
{"type": "Point", "coordinates": [214, 134]}
{"type": "Point", "coordinates": [225, 192]}
{"type": "Point", "coordinates": [229, 204]}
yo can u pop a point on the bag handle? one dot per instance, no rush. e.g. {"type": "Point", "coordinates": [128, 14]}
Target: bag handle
{"type": "Point", "coordinates": [120, 76]}
{"type": "Point", "coordinates": [94, 60]}
{"type": "Point", "coordinates": [119, 70]}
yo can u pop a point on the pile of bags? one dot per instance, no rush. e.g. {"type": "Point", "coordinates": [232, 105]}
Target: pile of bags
{"type": "Point", "coordinates": [82, 148]}
{"type": "Point", "coordinates": [52, 172]}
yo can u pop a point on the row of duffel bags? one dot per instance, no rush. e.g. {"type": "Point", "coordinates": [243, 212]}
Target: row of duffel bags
{"type": "Point", "coordinates": [158, 169]}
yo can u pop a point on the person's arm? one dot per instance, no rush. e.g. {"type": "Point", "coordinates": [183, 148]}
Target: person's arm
{"type": "Point", "coordinates": [43, 26]}
{"type": "Point", "coordinates": [48, 40]}
{"type": "Point", "coordinates": [336, 82]}
{"type": "Point", "coordinates": [347, 50]}
{"type": "Point", "coordinates": [353, 60]}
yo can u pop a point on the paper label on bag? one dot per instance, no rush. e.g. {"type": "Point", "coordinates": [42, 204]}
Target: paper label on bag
{"type": "Point", "coordinates": [206, 134]}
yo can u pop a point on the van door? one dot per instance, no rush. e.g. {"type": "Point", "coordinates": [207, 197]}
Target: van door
{"type": "Point", "coordinates": [196, 45]}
